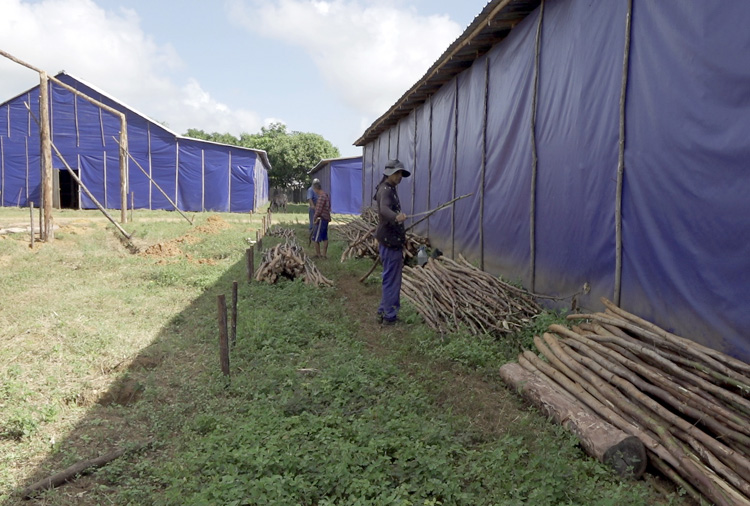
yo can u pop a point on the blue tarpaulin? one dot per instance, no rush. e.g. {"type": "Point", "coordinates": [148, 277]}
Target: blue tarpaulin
{"type": "Point", "coordinates": [543, 209]}
{"type": "Point", "coordinates": [197, 175]}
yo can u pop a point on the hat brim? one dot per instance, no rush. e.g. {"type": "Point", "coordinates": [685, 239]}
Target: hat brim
{"type": "Point", "coordinates": [391, 171]}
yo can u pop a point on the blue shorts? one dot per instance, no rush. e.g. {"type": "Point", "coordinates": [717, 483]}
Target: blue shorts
{"type": "Point", "coordinates": [320, 231]}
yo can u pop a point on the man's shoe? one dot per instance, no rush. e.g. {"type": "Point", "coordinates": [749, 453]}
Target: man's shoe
{"type": "Point", "coordinates": [390, 322]}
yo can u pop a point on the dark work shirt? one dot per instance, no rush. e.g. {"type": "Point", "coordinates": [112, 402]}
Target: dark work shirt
{"type": "Point", "coordinates": [389, 232]}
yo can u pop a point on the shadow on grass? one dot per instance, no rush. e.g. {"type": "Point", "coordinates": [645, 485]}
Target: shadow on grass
{"type": "Point", "coordinates": [156, 393]}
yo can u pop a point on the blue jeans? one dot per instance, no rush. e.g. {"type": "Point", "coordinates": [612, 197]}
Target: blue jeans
{"type": "Point", "coordinates": [393, 264]}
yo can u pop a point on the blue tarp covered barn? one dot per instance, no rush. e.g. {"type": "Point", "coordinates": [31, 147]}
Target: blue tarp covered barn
{"type": "Point", "coordinates": [197, 175]}
{"type": "Point", "coordinates": [342, 179]}
{"type": "Point", "coordinates": [604, 147]}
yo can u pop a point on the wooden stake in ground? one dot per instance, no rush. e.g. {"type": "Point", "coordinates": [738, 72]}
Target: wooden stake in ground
{"type": "Point", "coordinates": [234, 312]}
{"type": "Point", "coordinates": [223, 337]}
{"type": "Point", "coordinates": [250, 263]}
{"type": "Point", "coordinates": [31, 214]}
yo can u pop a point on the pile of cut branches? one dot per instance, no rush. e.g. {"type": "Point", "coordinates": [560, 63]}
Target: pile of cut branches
{"type": "Point", "coordinates": [288, 259]}
{"type": "Point", "coordinates": [450, 293]}
{"type": "Point", "coordinates": [286, 233]}
{"type": "Point", "coordinates": [360, 234]}
{"type": "Point", "coordinates": [687, 403]}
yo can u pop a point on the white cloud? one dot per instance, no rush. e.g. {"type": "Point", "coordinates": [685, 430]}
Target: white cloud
{"type": "Point", "coordinates": [109, 50]}
{"type": "Point", "coordinates": [369, 52]}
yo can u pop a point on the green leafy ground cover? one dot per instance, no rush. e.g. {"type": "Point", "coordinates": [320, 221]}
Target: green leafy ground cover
{"type": "Point", "coordinates": [103, 348]}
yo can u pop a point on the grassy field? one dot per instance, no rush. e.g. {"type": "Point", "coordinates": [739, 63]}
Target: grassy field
{"type": "Point", "coordinates": [105, 345]}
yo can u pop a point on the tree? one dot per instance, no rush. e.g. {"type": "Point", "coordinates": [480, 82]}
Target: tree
{"type": "Point", "coordinates": [291, 155]}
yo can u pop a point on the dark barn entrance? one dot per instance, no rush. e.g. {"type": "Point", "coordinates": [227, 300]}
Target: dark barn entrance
{"type": "Point", "coordinates": [69, 194]}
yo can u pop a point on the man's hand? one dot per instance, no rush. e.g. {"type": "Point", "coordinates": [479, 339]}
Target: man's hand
{"type": "Point", "coordinates": [400, 217]}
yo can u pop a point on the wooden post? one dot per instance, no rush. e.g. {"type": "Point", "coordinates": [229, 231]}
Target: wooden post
{"type": "Point", "coordinates": [223, 337]}
{"type": "Point", "coordinates": [123, 170]}
{"type": "Point", "coordinates": [234, 312]}
{"type": "Point", "coordinates": [47, 232]}
{"type": "Point", "coordinates": [31, 218]}
{"type": "Point", "coordinates": [250, 263]}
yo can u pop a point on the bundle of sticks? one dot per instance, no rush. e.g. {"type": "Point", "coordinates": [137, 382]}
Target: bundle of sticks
{"type": "Point", "coordinates": [286, 233]}
{"type": "Point", "coordinates": [448, 294]}
{"type": "Point", "coordinates": [360, 234]}
{"type": "Point", "coordinates": [687, 403]}
{"type": "Point", "coordinates": [288, 259]}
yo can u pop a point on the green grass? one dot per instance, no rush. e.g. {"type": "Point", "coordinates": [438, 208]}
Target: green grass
{"type": "Point", "coordinates": [312, 415]}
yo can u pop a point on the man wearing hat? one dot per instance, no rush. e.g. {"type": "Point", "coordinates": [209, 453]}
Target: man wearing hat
{"type": "Point", "coordinates": [391, 236]}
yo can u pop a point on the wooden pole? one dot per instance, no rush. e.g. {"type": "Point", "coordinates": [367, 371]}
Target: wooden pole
{"type": "Point", "coordinates": [534, 154]}
{"type": "Point", "coordinates": [31, 218]}
{"type": "Point", "coordinates": [234, 312]}
{"type": "Point", "coordinates": [47, 232]}
{"type": "Point", "coordinates": [250, 263]}
{"type": "Point", "coordinates": [223, 337]}
{"type": "Point", "coordinates": [123, 170]}
{"type": "Point", "coordinates": [621, 160]}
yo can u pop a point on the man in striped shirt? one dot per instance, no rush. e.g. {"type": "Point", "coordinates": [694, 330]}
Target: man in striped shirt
{"type": "Point", "coordinates": [321, 218]}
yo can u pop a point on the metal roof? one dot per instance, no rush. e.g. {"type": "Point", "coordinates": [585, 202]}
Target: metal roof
{"type": "Point", "coordinates": [490, 27]}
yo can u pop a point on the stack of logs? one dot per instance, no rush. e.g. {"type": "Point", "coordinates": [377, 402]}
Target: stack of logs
{"type": "Point", "coordinates": [685, 402]}
{"type": "Point", "coordinates": [360, 234]}
{"type": "Point", "coordinates": [449, 294]}
{"type": "Point", "coordinates": [288, 259]}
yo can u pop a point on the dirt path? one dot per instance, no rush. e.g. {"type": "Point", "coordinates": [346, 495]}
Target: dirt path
{"type": "Point", "coordinates": [487, 403]}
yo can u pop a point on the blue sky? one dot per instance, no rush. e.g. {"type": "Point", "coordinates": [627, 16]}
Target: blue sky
{"type": "Point", "coordinates": [329, 67]}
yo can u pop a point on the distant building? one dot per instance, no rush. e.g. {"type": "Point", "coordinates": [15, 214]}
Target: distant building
{"type": "Point", "coordinates": [342, 179]}
{"type": "Point", "coordinates": [197, 175]}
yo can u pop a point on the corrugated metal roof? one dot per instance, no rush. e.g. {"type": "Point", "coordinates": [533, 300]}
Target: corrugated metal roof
{"type": "Point", "coordinates": [491, 26]}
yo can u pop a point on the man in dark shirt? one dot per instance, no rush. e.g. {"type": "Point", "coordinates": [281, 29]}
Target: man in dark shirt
{"type": "Point", "coordinates": [391, 236]}
{"type": "Point", "coordinates": [321, 217]}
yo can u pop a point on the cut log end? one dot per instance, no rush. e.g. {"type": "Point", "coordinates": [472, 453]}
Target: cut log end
{"type": "Point", "coordinates": [628, 458]}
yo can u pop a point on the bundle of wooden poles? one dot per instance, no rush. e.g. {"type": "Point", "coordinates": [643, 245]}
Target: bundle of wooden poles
{"type": "Point", "coordinates": [449, 294]}
{"type": "Point", "coordinates": [687, 404]}
{"type": "Point", "coordinates": [288, 259]}
{"type": "Point", "coordinates": [360, 236]}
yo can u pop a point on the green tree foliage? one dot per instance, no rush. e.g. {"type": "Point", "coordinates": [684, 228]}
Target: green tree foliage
{"type": "Point", "coordinates": [292, 154]}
